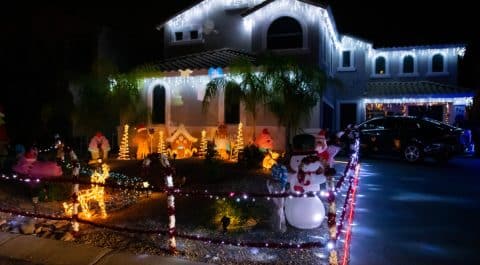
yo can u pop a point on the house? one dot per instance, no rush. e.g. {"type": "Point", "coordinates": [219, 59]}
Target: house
{"type": "Point", "coordinates": [201, 41]}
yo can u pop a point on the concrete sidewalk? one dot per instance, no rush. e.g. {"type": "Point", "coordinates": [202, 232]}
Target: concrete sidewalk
{"type": "Point", "coordinates": [24, 249]}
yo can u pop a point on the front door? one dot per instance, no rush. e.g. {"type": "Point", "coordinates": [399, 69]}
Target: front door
{"type": "Point", "coordinates": [348, 114]}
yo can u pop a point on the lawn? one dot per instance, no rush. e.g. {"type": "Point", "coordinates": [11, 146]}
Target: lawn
{"type": "Point", "coordinates": [251, 218]}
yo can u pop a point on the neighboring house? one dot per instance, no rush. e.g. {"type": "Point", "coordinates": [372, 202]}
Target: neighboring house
{"type": "Point", "coordinates": [201, 41]}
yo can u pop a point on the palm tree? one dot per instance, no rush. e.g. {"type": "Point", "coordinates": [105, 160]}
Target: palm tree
{"type": "Point", "coordinates": [244, 82]}
{"type": "Point", "coordinates": [294, 91]}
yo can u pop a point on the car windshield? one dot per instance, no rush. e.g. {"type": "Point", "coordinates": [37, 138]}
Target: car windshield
{"type": "Point", "coordinates": [439, 123]}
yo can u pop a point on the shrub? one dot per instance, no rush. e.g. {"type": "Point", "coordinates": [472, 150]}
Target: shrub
{"type": "Point", "coordinates": [251, 156]}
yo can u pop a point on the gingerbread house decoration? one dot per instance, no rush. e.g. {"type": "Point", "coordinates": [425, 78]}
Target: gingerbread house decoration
{"type": "Point", "coordinates": [181, 143]}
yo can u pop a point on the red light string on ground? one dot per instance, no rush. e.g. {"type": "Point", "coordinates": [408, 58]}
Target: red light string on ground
{"type": "Point", "coordinates": [275, 245]}
{"type": "Point", "coordinates": [348, 235]}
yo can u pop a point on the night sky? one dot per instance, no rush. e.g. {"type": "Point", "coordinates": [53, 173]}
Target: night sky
{"type": "Point", "coordinates": [43, 46]}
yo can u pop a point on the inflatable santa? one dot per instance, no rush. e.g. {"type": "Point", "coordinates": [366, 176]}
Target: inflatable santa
{"type": "Point", "coordinates": [99, 146]}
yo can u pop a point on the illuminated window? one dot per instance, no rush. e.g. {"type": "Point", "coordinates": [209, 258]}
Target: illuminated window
{"type": "Point", "coordinates": [380, 65]}
{"type": "Point", "coordinates": [408, 66]}
{"type": "Point", "coordinates": [437, 63]}
{"type": "Point", "coordinates": [158, 110]}
{"type": "Point", "coordinates": [284, 33]}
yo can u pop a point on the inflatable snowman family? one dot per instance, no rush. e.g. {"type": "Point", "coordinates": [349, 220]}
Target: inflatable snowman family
{"type": "Point", "coordinates": [310, 160]}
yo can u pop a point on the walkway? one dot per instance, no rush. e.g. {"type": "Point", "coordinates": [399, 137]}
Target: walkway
{"type": "Point", "coordinates": [16, 249]}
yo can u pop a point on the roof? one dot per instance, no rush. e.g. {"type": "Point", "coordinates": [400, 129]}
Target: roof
{"type": "Point", "coordinates": [265, 3]}
{"type": "Point", "coordinates": [204, 60]}
{"type": "Point", "coordinates": [414, 89]}
{"type": "Point", "coordinates": [432, 46]}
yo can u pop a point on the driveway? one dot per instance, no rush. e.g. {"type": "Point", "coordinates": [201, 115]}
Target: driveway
{"type": "Point", "coordinates": [417, 214]}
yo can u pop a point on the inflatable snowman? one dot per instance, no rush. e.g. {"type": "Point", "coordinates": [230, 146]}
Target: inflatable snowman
{"type": "Point", "coordinates": [306, 176]}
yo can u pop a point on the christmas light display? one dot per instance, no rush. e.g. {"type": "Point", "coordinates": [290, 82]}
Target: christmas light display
{"type": "Point", "coordinates": [238, 148]}
{"type": "Point", "coordinates": [161, 148]}
{"type": "Point", "coordinates": [124, 153]}
{"type": "Point", "coordinates": [96, 193]}
{"type": "Point", "coordinates": [351, 174]}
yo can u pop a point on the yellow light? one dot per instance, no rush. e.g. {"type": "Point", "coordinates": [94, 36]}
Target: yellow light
{"type": "Point", "coordinates": [95, 193]}
{"type": "Point", "coordinates": [270, 159]}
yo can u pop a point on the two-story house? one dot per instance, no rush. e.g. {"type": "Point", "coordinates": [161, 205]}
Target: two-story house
{"type": "Point", "coordinates": [201, 41]}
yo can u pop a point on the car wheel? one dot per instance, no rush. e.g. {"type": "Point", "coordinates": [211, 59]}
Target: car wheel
{"type": "Point", "coordinates": [412, 153]}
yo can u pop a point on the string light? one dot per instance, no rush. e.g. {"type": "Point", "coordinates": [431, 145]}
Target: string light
{"type": "Point", "coordinates": [238, 148]}
{"type": "Point", "coordinates": [124, 153]}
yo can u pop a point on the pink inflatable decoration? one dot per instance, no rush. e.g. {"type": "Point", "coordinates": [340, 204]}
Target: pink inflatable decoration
{"type": "Point", "coordinates": [28, 165]}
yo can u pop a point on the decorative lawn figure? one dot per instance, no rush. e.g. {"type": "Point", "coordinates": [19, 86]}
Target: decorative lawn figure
{"type": "Point", "coordinates": [264, 141]}
{"type": "Point", "coordinates": [222, 143]}
{"type": "Point", "coordinates": [270, 159]}
{"type": "Point", "coordinates": [141, 140]}
{"type": "Point", "coordinates": [306, 175]}
{"type": "Point", "coordinates": [99, 146]}
{"type": "Point", "coordinates": [181, 143]}
{"type": "Point", "coordinates": [326, 152]}
{"type": "Point", "coordinates": [29, 166]}
{"type": "Point", "coordinates": [96, 194]}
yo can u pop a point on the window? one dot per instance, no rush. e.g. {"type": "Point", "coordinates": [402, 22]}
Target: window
{"type": "Point", "coordinates": [232, 106]}
{"type": "Point", "coordinates": [158, 111]}
{"type": "Point", "coordinates": [284, 33]}
{"type": "Point", "coordinates": [380, 66]}
{"type": "Point", "coordinates": [178, 36]}
{"type": "Point", "coordinates": [194, 34]}
{"type": "Point", "coordinates": [408, 67]}
{"type": "Point", "coordinates": [437, 63]}
{"type": "Point", "coordinates": [346, 59]}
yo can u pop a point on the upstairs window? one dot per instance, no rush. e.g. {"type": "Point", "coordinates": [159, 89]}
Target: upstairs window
{"type": "Point", "coordinates": [178, 36]}
{"type": "Point", "coordinates": [346, 59]}
{"type": "Point", "coordinates": [408, 64]}
{"type": "Point", "coordinates": [380, 65]}
{"type": "Point", "coordinates": [194, 34]}
{"type": "Point", "coordinates": [438, 63]}
{"type": "Point", "coordinates": [285, 33]}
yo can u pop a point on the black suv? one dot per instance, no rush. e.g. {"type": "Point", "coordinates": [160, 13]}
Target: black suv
{"type": "Point", "coordinates": [411, 137]}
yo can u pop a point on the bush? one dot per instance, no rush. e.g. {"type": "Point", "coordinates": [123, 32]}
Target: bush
{"type": "Point", "coordinates": [251, 156]}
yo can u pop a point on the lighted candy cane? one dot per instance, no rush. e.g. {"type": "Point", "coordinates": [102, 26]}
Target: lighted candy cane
{"type": "Point", "coordinates": [168, 174]}
{"type": "Point", "coordinates": [75, 174]}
